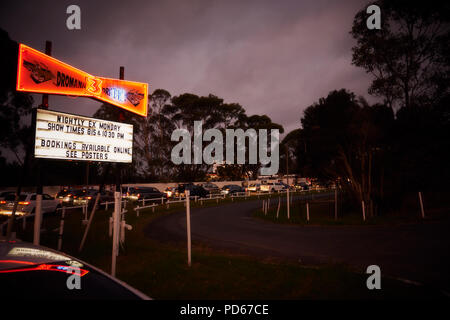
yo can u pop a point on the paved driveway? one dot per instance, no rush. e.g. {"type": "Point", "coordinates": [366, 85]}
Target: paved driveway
{"type": "Point", "coordinates": [417, 252]}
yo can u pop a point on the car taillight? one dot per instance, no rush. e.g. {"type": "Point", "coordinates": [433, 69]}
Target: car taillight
{"type": "Point", "coordinates": [24, 203]}
{"type": "Point", "coordinates": [2, 202]}
{"type": "Point", "coordinates": [139, 195]}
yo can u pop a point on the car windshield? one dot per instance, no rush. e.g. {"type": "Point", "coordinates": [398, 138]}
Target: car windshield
{"type": "Point", "coordinates": [63, 193]}
{"type": "Point", "coordinates": [80, 192]}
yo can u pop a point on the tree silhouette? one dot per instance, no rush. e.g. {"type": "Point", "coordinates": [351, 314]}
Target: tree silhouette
{"type": "Point", "coordinates": [409, 56]}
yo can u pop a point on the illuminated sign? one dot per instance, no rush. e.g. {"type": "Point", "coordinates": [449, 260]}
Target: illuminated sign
{"type": "Point", "coordinates": [40, 73]}
{"type": "Point", "coordinates": [71, 137]}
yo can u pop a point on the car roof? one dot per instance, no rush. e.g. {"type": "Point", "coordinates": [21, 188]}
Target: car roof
{"type": "Point", "coordinates": [17, 252]}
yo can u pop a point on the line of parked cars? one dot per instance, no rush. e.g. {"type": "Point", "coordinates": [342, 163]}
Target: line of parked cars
{"type": "Point", "coordinates": [71, 196]}
{"type": "Point", "coordinates": [27, 203]}
{"type": "Point", "coordinates": [84, 196]}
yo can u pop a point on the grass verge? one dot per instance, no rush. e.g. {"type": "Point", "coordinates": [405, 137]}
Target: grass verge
{"type": "Point", "coordinates": [161, 272]}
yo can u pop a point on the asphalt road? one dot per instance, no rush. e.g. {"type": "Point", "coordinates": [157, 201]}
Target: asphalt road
{"type": "Point", "coordinates": [415, 252]}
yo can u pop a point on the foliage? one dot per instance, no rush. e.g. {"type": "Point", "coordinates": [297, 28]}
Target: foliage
{"type": "Point", "coordinates": [409, 56]}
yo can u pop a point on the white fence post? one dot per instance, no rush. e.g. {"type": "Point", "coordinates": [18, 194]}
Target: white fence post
{"type": "Point", "coordinates": [278, 209]}
{"type": "Point", "coordinates": [288, 208]}
{"type": "Point", "coordinates": [116, 226]}
{"type": "Point", "coordinates": [111, 222]}
{"type": "Point", "coordinates": [363, 210]}
{"type": "Point", "coordinates": [421, 205]}
{"type": "Point", "coordinates": [188, 226]}
{"type": "Point", "coordinates": [61, 228]}
{"type": "Point", "coordinates": [307, 210]}
{"type": "Point", "coordinates": [335, 204]}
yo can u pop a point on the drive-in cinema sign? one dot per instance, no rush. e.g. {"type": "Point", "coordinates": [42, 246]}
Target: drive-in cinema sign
{"type": "Point", "coordinates": [71, 137]}
{"type": "Point", "coordinates": [40, 73]}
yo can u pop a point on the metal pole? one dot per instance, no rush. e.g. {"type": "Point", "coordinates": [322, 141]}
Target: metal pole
{"type": "Point", "coordinates": [38, 208]}
{"type": "Point", "coordinates": [188, 226]}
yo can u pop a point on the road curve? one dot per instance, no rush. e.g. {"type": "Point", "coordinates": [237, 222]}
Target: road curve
{"type": "Point", "coordinates": [416, 252]}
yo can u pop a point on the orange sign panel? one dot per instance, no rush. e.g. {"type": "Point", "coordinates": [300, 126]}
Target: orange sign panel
{"type": "Point", "coordinates": [40, 73]}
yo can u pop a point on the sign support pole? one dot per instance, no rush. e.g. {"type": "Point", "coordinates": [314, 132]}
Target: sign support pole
{"type": "Point", "coordinates": [38, 208]}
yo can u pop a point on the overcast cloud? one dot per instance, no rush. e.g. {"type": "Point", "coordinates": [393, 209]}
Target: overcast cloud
{"type": "Point", "coordinates": [272, 57]}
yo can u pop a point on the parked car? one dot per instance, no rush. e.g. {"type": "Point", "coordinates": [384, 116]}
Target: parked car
{"type": "Point", "coordinates": [194, 190]}
{"type": "Point", "coordinates": [179, 190]}
{"type": "Point", "coordinates": [301, 186]}
{"type": "Point", "coordinates": [82, 197]}
{"type": "Point", "coordinates": [27, 204]}
{"type": "Point", "coordinates": [3, 194]}
{"type": "Point", "coordinates": [169, 192]}
{"type": "Point", "coordinates": [139, 193]}
{"type": "Point", "coordinates": [65, 195]}
{"type": "Point", "coordinates": [254, 187]}
{"type": "Point", "coordinates": [30, 272]}
{"type": "Point", "coordinates": [231, 189]}
{"type": "Point", "coordinates": [272, 187]}
{"type": "Point", "coordinates": [210, 187]}
{"type": "Point", "coordinates": [286, 186]}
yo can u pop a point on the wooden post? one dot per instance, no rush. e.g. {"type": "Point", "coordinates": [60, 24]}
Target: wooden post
{"type": "Point", "coordinates": [421, 205]}
{"type": "Point", "coordinates": [37, 220]}
{"type": "Point", "coordinates": [278, 208]}
{"type": "Point", "coordinates": [61, 228]}
{"type": "Point", "coordinates": [363, 210]}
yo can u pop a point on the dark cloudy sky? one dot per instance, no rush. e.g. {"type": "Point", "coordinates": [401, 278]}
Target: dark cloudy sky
{"type": "Point", "coordinates": [272, 57]}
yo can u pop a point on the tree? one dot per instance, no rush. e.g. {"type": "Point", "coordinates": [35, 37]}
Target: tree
{"type": "Point", "coordinates": [15, 107]}
{"type": "Point", "coordinates": [344, 140]}
{"type": "Point", "coordinates": [257, 122]}
{"type": "Point", "coordinates": [213, 112]}
{"type": "Point", "coordinates": [409, 56]}
{"type": "Point", "coordinates": [113, 113]}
